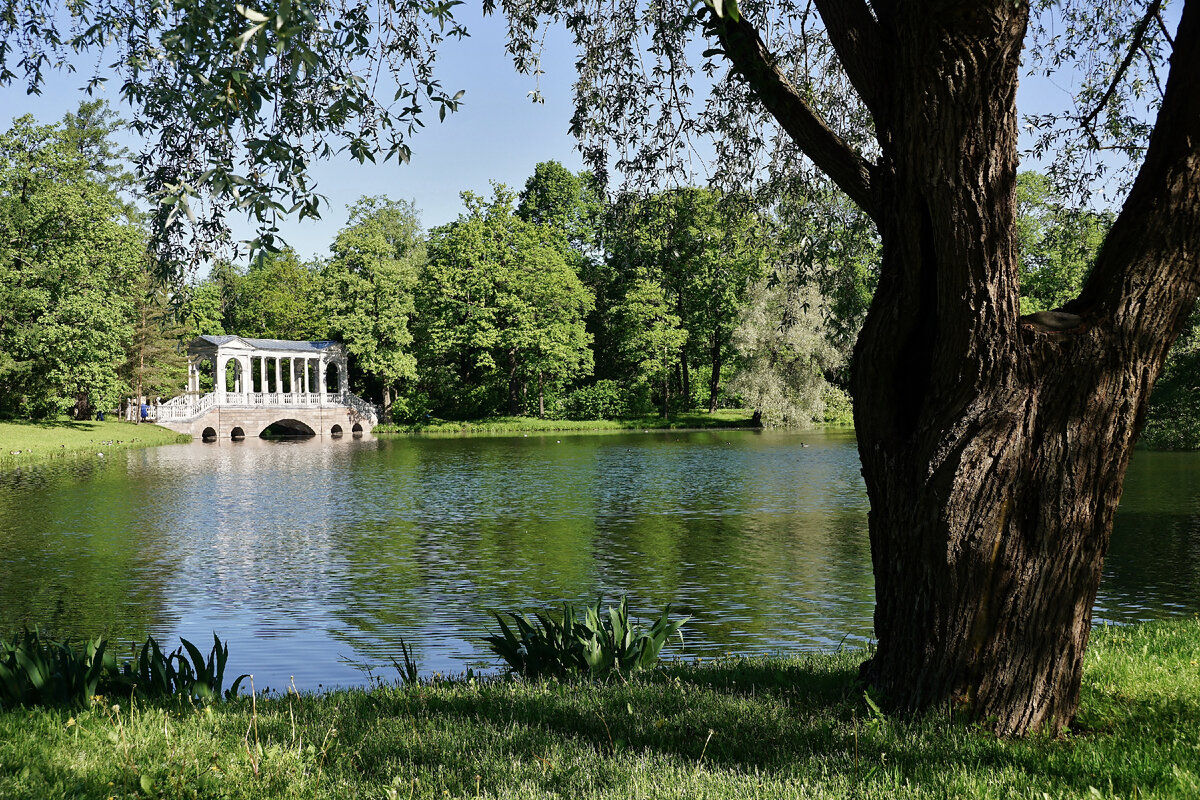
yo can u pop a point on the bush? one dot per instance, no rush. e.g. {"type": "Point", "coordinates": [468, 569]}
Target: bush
{"type": "Point", "coordinates": [592, 644]}
{"type": "Point", "coordinates": [838, 408]}
{"type": "Point", "coordinates": [40, 671]}
{"type": "Point", "coordinates": [604, 400]}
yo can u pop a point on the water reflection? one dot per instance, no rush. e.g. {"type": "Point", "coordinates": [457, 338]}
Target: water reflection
{"type": "Point", "coordinates": [306, 555]}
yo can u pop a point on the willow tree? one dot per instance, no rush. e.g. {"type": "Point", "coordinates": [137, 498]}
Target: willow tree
{"type": "Point", "coordinates": [994, 447]}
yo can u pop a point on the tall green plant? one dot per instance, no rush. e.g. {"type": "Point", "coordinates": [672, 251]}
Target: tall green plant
{"type": "Point", "coordinates": [590, 642]}
{"type": "Point", "coordinates": [35, 670]}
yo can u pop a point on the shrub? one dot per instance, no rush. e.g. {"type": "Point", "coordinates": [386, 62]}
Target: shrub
{"type": "Point", "coordinates": [590, 643]}
{"type": "Point", "coordinates": [838, 408]}
{"type": "Point", "coordinates": [604, 400]}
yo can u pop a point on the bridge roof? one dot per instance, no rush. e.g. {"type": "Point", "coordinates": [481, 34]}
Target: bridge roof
{"type": "Point", "coordinates": [266, 344]}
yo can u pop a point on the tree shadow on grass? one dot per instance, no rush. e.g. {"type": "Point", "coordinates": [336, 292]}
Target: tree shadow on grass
{"type": "Point", "coordinates": [807, 721]}
{"type": "Point", "coordinates": [70, 424]}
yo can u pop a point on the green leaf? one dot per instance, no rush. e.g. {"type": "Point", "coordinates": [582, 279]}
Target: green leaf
{"type": "Point", "coordinates": [251, 14]}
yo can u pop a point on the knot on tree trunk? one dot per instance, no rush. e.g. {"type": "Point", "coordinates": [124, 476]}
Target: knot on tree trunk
{"type": "Point", "coordinates": [1057, 326]}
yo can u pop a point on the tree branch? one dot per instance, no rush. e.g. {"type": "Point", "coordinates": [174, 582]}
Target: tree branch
{"type": "Point", "coordinates": [1147, 273]}
{"type": "Point", "coordinates": [1139, 34]}
{"type": "Point", "coordinates": [854, 34]}
{"type": "Point", "coordinates": [745, 50]}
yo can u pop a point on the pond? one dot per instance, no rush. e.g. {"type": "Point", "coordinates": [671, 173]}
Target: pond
{"type": "Point", "coordinates": [314, 559]}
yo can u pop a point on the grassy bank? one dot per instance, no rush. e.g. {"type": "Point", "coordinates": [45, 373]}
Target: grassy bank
{"type": "Point", "coordinates": [769, 728]}
{"type": "Point", "coordinates": [722, 418]}
{"type": "Point", "coordinates": [40, 441]}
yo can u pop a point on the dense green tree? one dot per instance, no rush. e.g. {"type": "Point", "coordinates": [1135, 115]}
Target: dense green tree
{"type": "Point", "coordinates": [89, 130]}
{"type": "Point", "coordinates": [650, 336]}
{"type": "Point", "coordinates": [203, 309]}
{"type": "Point", "coordinates": [561, 200]}
{"type": "Point", "coordinates": [367, 290]}
{"type": "Point", "coordinates": [1173, 420]}
{"type": "Point", "coordinates": [703, 249]}
{"type": "Point", "coordinates": [500, 307]}
{"type": "Point", "coordinates": [1057, 243]}
{"type": "Point", "coordinates": [277, 298]}
{"type": "Point", "coordinates": [154, 365]}
{"type": "Point", "coordinates": [68, 272]}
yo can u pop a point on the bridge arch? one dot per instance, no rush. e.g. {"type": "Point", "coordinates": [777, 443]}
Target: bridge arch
{"type": "Point", "coordinates": [287, 427]}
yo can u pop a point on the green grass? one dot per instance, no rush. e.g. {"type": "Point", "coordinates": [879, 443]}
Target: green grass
{"type": "Point", "coordinates": [722, 418]}
{"type": "Point", "coordinates": [40, 441]}
{"type": "Point", "coordinates": [755, 728]}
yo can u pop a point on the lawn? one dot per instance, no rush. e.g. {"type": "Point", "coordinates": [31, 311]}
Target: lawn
{"type": "Point", "coordinates": [734, 728]}
{"type": "Point", "coordinates": [28, 442]}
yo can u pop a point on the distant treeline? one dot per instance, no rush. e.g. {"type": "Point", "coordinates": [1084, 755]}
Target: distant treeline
{"type": "Point", "coordinates": [557, 300]}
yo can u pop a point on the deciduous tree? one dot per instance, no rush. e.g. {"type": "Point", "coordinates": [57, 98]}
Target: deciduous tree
{"type": "Point", "coordinates": [499, 307]}
{"type": "Point", "coordinates": [367, 289]}
{"type": "Point", "coordinates": [650, 336]}
{"type": "Point", "coordinates": [784, 351]}
{"type": "Point", "coordinates": [68, 269]}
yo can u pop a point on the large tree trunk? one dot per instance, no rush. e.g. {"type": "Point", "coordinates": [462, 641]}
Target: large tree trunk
{"type": "Point", "coordinates": [994, 448]}
{"type": "Point", "coordinates": [82, 409]}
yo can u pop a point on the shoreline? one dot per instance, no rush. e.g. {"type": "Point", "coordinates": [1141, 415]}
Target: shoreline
{"type": "Point", "coordinates": [723, 419]}
{"type": "Point", "coordinates": [42, 442]}
{"type": "Point", "coordinates": [786, 727]}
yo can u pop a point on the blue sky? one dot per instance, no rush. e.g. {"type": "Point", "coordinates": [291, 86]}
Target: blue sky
{"type": "Point", "coordinates": [498, 134]}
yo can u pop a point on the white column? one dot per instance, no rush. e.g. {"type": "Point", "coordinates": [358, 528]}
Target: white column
{"type": "Point", "coordinates": [292, 374]}
{"type": "Point", "coordinates": [306, 371]}
{"type": "Point", "coordinates": [219, 379]}
{"type": "Point", "coordinates": [278, 382]}
{"type": "Point", "coordinates": [321, 376]}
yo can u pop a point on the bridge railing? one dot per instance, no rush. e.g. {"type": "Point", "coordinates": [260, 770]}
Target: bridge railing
{"type": "Point", "coordinates": [183, 407]}
{"type": "Point", "coordinates": [190, 406]}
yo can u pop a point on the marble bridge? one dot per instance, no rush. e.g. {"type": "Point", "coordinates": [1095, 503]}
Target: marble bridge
{"type": "Point", "coordinates": [291, 388]}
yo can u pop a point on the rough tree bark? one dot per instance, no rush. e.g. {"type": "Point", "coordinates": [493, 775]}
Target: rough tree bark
{"type": "Point", "coordinates": [994, 447]}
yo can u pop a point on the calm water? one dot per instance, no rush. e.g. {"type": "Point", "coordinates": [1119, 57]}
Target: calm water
{"type": "Point", "coordinates": [313, 558]}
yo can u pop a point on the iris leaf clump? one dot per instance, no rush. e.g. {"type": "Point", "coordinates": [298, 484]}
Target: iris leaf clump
{"type": "Point", "coordinates": [590, 641]}
{"type": "Point", "coordinates": [36, 670]}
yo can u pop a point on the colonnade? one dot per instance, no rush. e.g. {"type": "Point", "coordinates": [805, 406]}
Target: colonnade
{"type": "Point", "coordinates": [277, 374]}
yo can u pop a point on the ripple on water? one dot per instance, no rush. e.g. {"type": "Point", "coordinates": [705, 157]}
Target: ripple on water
{"type": "Point", "coordinates": [312, 559]}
